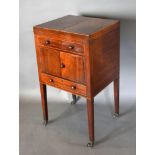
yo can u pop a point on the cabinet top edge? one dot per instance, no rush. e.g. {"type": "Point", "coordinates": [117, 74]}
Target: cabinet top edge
{"type": "Point", "coordinates": [77, 25]}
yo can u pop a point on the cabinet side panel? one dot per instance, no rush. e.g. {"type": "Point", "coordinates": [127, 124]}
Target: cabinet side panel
{"type": "Point", "coordinates": [105, 59]}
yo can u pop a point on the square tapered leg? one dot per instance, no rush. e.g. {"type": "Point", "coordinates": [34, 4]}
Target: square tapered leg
{"type": "Point", "coordinates": [90, 112]}
{"type": "Point", "coordinates": [116, 97]}
{"type": "Point", "coordinates": [43, 92]}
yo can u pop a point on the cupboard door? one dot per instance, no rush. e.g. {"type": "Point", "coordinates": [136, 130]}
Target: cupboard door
{"type": "Point", "coordinates": [50, 61]}
{"type": "Point", "coordinates": [72, 67]}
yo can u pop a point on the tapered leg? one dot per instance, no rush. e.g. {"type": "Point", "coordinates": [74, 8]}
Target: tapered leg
{"type": "Point", "coordinates": [116, 97]}
{"type": "Point", "coordinates": [44, 102]}
{"type": "Point", "coordinates": [74, 99]}
{"type": "Point", "coordinates": [90, 111]}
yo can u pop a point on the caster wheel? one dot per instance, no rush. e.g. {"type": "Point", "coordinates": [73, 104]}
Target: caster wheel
{"type": "Point", "coordinates": [90, 144]}
{"type": "Point", "coordinates": [73, 102]}
{"type": "Point", "coordinates": [74, 99]}
{"type": "Point", "coordinates": [45, 122]}
{"type": "Point", "coordinates": [115, 115]}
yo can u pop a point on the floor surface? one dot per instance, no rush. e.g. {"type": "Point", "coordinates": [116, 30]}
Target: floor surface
{"type": "Point", "coordinates": [66, 132]}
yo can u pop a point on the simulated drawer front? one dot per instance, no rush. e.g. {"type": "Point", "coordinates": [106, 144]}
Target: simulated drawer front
{"type": "Point", "coordinates": [66, 85]}
{"type": "Point", "coordinates": [66, 46]}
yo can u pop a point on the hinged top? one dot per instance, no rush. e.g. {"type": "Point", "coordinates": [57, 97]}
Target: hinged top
{"type": "Point", "coordinates": [78, 24]}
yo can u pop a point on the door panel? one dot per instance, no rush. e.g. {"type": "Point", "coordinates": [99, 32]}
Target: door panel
{"type": "Point", "coordinates": [50, 61]}
{"type": "Point", "coordinates": [72, 67]}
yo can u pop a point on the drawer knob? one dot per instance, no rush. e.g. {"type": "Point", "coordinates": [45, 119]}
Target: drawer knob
{"type": "Point", "coordinates": [62, 66]}
{"type": "Point", "coordinates": [73, 87]}
{"type": "Point", "coordinates": [51, 80]}
{"type": "Point", "coordinates": [47, 42]}
{"type": "Point", "coordinates": [71, 47]}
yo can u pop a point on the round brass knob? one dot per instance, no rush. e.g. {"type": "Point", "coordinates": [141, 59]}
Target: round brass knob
{"type": "Point", "coordinates": [47, 42]}
{"type": "Point", "coordinates": [73, 87]}
{"type": "Point", "coordinates": [62, 66]}
{"type": "Point", "coordinates": [51, 80]}
{"type": "Point", "coordinates": [71, 47]}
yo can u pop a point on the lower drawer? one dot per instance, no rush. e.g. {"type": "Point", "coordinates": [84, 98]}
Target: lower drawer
{"type": "Point", "coordinates": [66, 85]}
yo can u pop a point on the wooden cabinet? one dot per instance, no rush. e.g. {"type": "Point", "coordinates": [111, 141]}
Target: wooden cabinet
{"type": "Point", "coordinates": [79, 55]}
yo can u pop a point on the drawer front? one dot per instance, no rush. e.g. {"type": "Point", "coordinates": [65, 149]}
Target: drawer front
{"type": "Point", "coordinates": [66, 46]}
{"type": "Point", "coordinates": [63, 84]}
{"type": "Point", "coordinates": [72, 47]}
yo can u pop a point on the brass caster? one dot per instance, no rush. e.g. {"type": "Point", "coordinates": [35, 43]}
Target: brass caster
{"type": "Point", "coordinates": [74, 99]}
{"type": "Point", "coordinates": [115, 115]}
{"type": "Point", "coordinates": [45, 122]}
{"type": "Point", "coordinates": [90, 144]}
{"type": "Point", "coordinates": [73, 102]}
